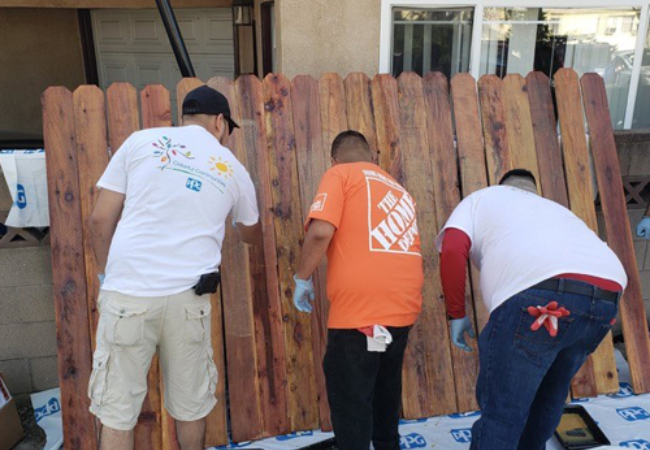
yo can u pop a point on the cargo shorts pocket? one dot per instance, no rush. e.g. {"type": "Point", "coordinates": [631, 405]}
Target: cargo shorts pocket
{"type": "Point", "coordinates": [197, 323]}
{"type": "Point", "coordinates": [98, 378]}
{"type": "Point", "coordinates": [124, 323]}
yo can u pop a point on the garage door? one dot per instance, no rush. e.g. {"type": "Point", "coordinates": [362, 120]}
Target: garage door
{"type": "Point", "coordinates": [132, 46]}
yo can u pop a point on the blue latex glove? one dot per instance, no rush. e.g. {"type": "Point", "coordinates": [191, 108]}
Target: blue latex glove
{"type": "Point", "coordinates": [101, 277]}
{"type": "Point", "coordinates": [303, 294]}
{"type": "Point", "coordinates": [458, 329]}
{"type": "Point", "coordinates": [643, 228]}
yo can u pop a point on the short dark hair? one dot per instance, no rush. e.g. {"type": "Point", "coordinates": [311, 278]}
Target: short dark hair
{"type": "Point", "coordinates": [519, 173]}
{"type": "Point", "coordinates": [348, 137]}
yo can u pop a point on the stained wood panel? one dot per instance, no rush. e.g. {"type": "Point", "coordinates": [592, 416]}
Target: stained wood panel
{"type": "Point", "coordinates": [447, 196]}
{"type": "Point", "coordinates": [334, 116]}
{"type": "Point", "coordinates": [428, 371]}
{"type": "Point", "coordinates": [156, 112]}
{"type": "Point", "coordinates": [471, 159]}
{"type": "Point", "coordinates": [358, 98]}
{"type": "Point", "coordinates": [301, 389]}
{"type": "Point", "coordinates": [267, 305]}
{"type": "Point", "coordinates": [599, 372]}
{"type": "Point", "coordinates": [69, 278]}
{"type": "Point", "coordinates": [612, 195]}
{"type": "Point", "coordinates": [385, 98]}
{"type": "Point", "coordinates": [92, 158]}
{"type": "Point", "coordinates": [123, 116]}
{"type": "Point", "coordinates": [497, 147]}
{"type": "Point", "coordinates": [519, 124]}
{"type": "Point", "coordinates": [313, 160]}
{"type": "Point", "coordinates": [549, 154]}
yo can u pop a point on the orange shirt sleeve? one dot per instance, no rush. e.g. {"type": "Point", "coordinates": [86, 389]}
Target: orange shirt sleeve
{"type": "Point", "coordinates": [329, 201]}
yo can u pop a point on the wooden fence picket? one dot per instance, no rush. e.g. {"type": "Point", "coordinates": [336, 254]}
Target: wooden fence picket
{"type": "Point", "coordinates": [429, 381]}
{"type": "Point", "coordinates": [447, 196]}
{"type": "Point", "coordinates": [267, 307]}
{"type": "Point", "coordinates": [358, 98]}
{"type": "Point", "coordinates": [301, 386]}
{"type": "Point", "coordinates": [69, 279]}
{"type": "Point", "coordinates": [123, 115]}
{"type": "Point", "coordinates": [617, 224]}
{"type": "Point", "coordinates": [385, 100]}
{"type": "Point", "coordinates": [497, 146]}
{"type": "Point", "coordinates": [471, 159]}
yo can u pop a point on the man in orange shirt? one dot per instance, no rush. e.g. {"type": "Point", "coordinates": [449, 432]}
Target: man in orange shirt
{"type": "Point", "coordinates": [366, 223]}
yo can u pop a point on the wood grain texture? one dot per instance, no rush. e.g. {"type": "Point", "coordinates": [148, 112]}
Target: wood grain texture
{"type": "Point", "coordinates": [68, 277]}
{"type": "Point", "coordinates": [123, 114]}
{"type": "Point", "coordinates": [385, 99]}
{"type": "Point", "coordinates": [156, 112]}
{"type": "Point", "coordinates": [471, 159]}
{"type": "Point", "coordinates": [333, 112]}
{"type": "Point", "coordinates": [358, 98]}
{"type": "Point", "coordinates": [237, 298]}
{"type": "Point", "coordinates": [547, 144]}
{"type": "Point", "coordinates": [182, 89]}
{"type": "Point", "coordinates": [92, 158]}
{"type": "Point", "coordinates": [313, 160]}
{"type": "Point", "coordinates": [428, 371]}
{"type": "Point", "coordinates": [519, 124]}
{"type": "Point", "coordinates": [497, 146]}
{"type": "Point", "coordinates": [447, 196]}
{"type": "Point", "coordinates": [301, 386]}
{"type": "Point", "coordinates": [267, 307]}
{"type": "Point", "coordinates": [581, 201]}
{"type": "Point", "coordinates": [612, 195]}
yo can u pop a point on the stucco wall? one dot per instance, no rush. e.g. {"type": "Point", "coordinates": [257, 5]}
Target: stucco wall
{"type": "Point", "coordinates": [38, 48]}
{"type": "Point", "coordinates": [320, 36]}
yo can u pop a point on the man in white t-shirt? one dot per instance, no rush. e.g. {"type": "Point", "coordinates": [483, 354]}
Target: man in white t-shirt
{"type": "Point", "coordinates": [157, 228]}
{"type": "Point", "coordinates": [552, 288]}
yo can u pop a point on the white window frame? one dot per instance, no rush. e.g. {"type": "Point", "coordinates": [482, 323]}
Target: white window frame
{"type": "Point", "coordinates": [386, 30]}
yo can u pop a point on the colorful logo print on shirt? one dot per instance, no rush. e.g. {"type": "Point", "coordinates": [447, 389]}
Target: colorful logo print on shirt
{"type": "Point", "coordinates": [639, 444]}
{"type": "Point", "coordinates": [193, 185]}
{"type": "Point", "coordinates": [412, 440]}
{"type": "Point", "coordinates": [392, 224]}
{"type": "Point", "coordinates": [633, 414]}
{"type": "Point", "coordinates": [463, 435]}
{"type": "Point", "coordinates": [319, 203]}
{"type": "Point", "coordinates": [167, 151]}
{"type": "Point", "coordinates": [221, 167]}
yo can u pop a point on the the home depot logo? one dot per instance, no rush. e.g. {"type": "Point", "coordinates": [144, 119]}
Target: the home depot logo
{"type": "Point", "coordinates": [633, 414]}
{"type": "Point", "coordinates": [639, 444]}
{"type": "Point", "coordinates": [463, 435]}
{"type": "Point", "coordinates": [319, 203]}
{"type": "Point", "coordinates": [412, 440]}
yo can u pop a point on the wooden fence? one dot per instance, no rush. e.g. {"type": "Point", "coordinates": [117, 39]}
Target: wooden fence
{"type": "Point", "coordinates": [442, 142]}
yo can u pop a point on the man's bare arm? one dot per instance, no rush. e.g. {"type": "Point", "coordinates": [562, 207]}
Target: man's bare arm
{"type": "Point", "coordinates": [318, 238]}
{"type": "Point", "coordinates": [103, 222]}
{"type": "Point", "coordinates": [250, 234]}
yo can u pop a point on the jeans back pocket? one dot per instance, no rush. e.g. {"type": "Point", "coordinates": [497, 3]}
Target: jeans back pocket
{"type": "Point", "coordinates": [539, 343]}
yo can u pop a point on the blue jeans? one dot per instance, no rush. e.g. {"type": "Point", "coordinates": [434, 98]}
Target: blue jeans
{"type": "Point", "coordinates": [525, 375]}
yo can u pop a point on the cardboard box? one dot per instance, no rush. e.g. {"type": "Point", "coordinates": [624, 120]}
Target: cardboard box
{"type": "Point", "coordinates": [11, 430]}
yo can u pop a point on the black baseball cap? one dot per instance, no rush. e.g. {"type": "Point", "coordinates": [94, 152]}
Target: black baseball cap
{"type": "Point", "coordinates": [206, 100]}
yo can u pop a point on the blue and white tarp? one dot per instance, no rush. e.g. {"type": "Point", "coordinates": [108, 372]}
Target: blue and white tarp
{"type": "Point", "coordinates": [623, 417]}
{"type": "Point", "coordinates": [26, 177]}
{"type": "Point", "coordinates": [47, 412]}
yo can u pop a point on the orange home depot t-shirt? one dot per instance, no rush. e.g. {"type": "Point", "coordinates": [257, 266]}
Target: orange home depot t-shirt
{"type": "Point", "coordinates": [374, 267]}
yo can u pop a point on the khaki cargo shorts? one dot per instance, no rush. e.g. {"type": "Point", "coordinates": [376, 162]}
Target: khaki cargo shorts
{"type": "Point", "coordinates": [129, 332]}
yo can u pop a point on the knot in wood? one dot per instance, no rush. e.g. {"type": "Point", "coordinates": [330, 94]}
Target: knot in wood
{"type": "Point", "coordinates": [69, 197]}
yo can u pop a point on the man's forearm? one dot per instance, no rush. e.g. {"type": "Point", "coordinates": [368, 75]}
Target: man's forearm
{"type": "Point", "coordinates": [313, 251]}
{"type": "Point", "coordinates": [102, 235]}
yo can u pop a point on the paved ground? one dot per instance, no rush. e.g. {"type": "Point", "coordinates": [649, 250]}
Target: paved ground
{"type": "Point", "coordinates": [34, 436]}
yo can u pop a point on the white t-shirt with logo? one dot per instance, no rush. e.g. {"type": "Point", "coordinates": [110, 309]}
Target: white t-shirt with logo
{"type": "Point", "coordinates": [180, 185]}
{"type": "Point", "coordinates": [520, 239]}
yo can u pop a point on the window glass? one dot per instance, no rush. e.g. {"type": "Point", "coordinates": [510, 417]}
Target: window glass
{"type": "Point", "coordinates": [518, 40]}
{"type": "Point", "coordinates": [641, 117]}
{"type": "Point", "coordinates": [430, 40]}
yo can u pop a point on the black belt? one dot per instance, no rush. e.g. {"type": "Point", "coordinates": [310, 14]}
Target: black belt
{"type": "Point", "coordinates": [576, 287]}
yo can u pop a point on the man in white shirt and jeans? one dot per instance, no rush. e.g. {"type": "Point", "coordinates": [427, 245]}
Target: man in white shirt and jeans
{"type": "Point", "coordinates": [552, 288]}
{"type": "Point", "coordinates": [158, 228]}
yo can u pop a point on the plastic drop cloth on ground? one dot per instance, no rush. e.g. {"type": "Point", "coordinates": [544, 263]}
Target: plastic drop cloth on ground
{"type": "Point", "coordinates": [623, 417]}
